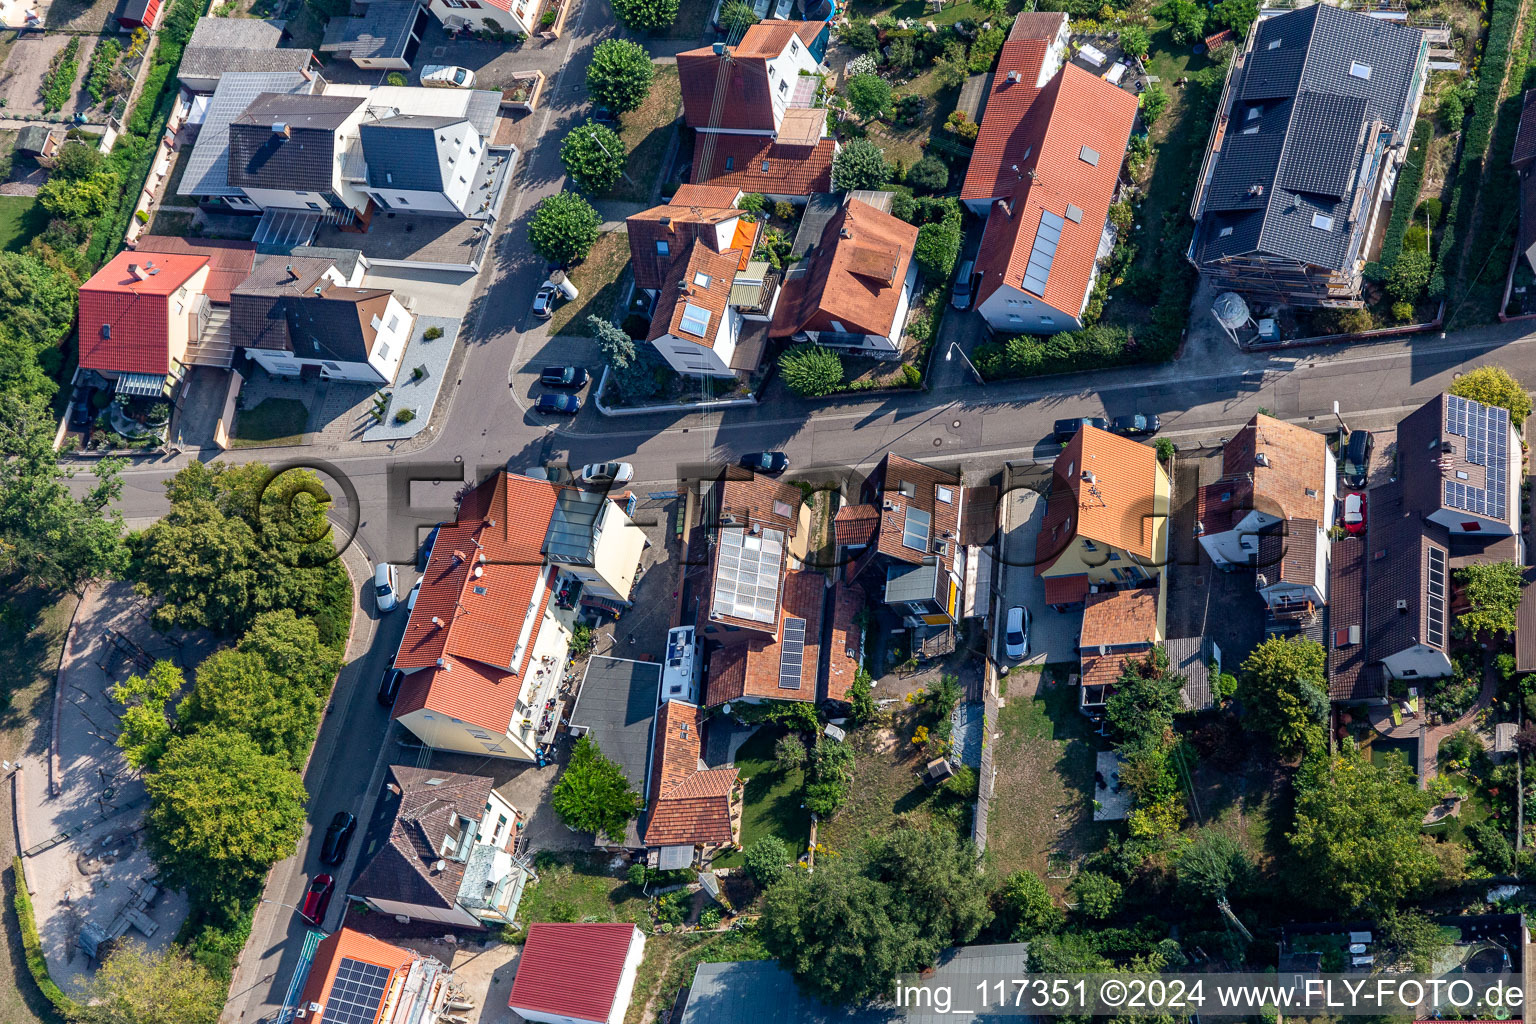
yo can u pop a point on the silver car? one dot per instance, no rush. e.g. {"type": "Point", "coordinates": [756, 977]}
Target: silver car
{"type": "Point", "coordinates": [1016, 633]}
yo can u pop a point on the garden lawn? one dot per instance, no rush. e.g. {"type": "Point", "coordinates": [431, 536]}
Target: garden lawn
{"type": "Point", "coordinates": [771, 805]}
{"type": "Point", "coordinates": [580, 887]}
{"type": "Point", "coordinates": [922, 13]}
{"type": "Point", "coordinates": [21, 218]}
{"type": "Point", "coordinates": [275, 421]}
{"type": "Point", "coordinates": [646, 132]}
{"type": "Point", "coordinates": [1044, 759]}
{"type": "Point", "coordinates": [670, 961]}
{"type": "Point", "coordinates": [597, 283]}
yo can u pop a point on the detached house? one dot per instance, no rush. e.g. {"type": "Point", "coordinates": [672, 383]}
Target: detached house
{"type": "Point", "coordinates": [1318, 111]}
{"type": "Point", "coordinates": [138, 315]}
{"type": "Point", "coordinates": [1045, 172]}
{"type": "Point", "coordinates": [221, 46]}
{"type": "Point", "coordinates": [283, 153]}
{"type": "Point", "coordinates": [1118, 625]}
{"type": "Point", "coordinates": [484, 650]}
{"type": "Point", "coordinates": [439, 848]}
{"type": "Point", "coordinates": [754, 107]}
{"type": "Point", "coordinates": [1273, 509]}
{"type": "Point", "coordinates": [356, 977]}
{"type": "Point", "coordinates": [1106, 520]}
{"type": "Point", "coordinates": [423, 163]}
{"type": "Point", "coordinates": [580, 973]}
{"type": "Point", "coordinates": [692, 810]}
{"type": "Point", "coordinates": [857, 289]}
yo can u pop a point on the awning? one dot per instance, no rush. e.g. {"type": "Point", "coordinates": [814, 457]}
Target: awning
{"type": "Point", "coordinates": [978, 580]}
{"type": "Point", "coordinates": [143, 385]}
{"type": "Point", "coordinates": [671, 858]}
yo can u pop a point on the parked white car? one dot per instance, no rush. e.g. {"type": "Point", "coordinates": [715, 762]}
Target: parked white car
{"type": "Point", "coordinates": [1016, 632]}
{"type": "Point", "coordinates": [386, 581]}
{"type": "Point", "coordinates": [447, 76]}
{"type": "Point", "coordinates": [410, 599]}
{"type": "Point", "coordinates": [607, 473]}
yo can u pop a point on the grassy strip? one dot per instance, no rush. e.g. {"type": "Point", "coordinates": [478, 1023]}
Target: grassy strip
{"type": "Point", "coordinates": [1475, 138]}
{"type": "Point", "coordinates": [33, 944]}
{"type": "Point", "coordinates": [1409, 180]}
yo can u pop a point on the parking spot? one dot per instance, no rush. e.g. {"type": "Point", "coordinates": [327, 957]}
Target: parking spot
{"type": "Point", "coordinates": [1053, 635]}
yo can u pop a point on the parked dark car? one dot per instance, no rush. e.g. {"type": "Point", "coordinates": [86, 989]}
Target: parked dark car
{"type": "Point", "coordinates": [766, 462]}
{"type": "Point", "coordinates": [1357, 457]}
{"type": "Point", "coordinates": [1065, 430]}
{"type": "Point", "coordinates": [334, 849]}
{"type": "Point", "coordinates": [425, 554]}
{"type": "Point", "coordinates": [572, 377]}
{"type": "Point", "coordinates": [564, 405]}
{"type": "Point", "coordinates": [317, 897]}
{"type": "Point", "coordinates": [1137, 425]}
{"type": "Point", "coordinates": [389, 686]}
{"type": "Point", "coordinates": [80, 416]}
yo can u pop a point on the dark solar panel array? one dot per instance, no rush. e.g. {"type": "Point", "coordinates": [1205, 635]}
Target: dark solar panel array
{"type": "Point", "coordinates": [1436, 577]}
{"type": "Point", "coordinates": [356, 993]}
{"type": "Point", "coordinates": [792, 653]}
{"type": "Point", "coordinates": [1486, 429]}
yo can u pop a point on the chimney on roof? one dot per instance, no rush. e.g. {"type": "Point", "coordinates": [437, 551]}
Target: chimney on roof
{"type": "Point", "coordinates": [720, 50]}
{"type": "Point", "coordinates": [281, 128]}
{"type": "Point", "coordinates": [682, 286]}
{"type": "Point", "coordinates": [1255, 190]}
{"type": "Point", "coordinates": [393, 789]}
{"type": "Point", "coordinates": [437, 623]}
{"type": "Point", "coordinates": [844, 233]}
{"type": "Point", "coordinates": [1402, 606]}
{"type": "Point", "coordinates": [1261, 459]}
{"type": "Point", "coordinates": [666, 222]}
{"type": "Point", "coordinates": [458, 556]}
{"type": "Point", "coordinates": [1013, 76]}
{"type": "Point", "coordinates": [133, 272]}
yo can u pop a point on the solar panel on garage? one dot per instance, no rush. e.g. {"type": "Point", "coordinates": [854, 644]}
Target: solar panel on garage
{"type": "Point", "coordinates": [356, 993]}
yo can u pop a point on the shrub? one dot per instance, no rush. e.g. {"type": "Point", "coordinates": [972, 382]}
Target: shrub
{"type": "Point", "coordinates": [1408, 181]}
{"type": "Point", "coordinates": [1120, 215]}
{"type": "Point", "coordinates": [1165, 449]}
{"type": "Point", "coordinates": [637, 875]}
{"type": "Point", "coordinates": [1409, 275]}
{"type": "Point", "coordinates": [645, 15]}
{"type": "Point", "coordinates": [911, 375]}
{"type": "Point", "coordinates": [962, 126]}
{"type": "Point", "coordinates": [869, 95]}
{"type": "Point", "coordinates": [1402, 312]}
{"type": "Point", "coordinates": [1429, 209]}
{"type": "Point", "coordinates": [784, 210]}
{"type": "Point", "coordinates": [860, 35]}
{"type": "Point", "coordinates": [1416, 237]}
{"type": "Point", "coordinates": [432, 333]}
{"type": "Point", "coordinates": [709, 919]}
{"type": "Point", "coordinates": [396, 78]}
{"type": "Point", "coordinates": [928, 174]}
{"type": "Point", "coordinates": [811, 370]}
{"type": "Point", "coordinates": [1098, 896]}
{"type": "Point", "coordinates": [1188, 19]}
{"type": "Point", "coordinates": [59, 82]}
{"type": "Point", "coordinates": [767, 860]}
{"type": "Point", "coordinates": [1134, 40]}
{"type": "Point", "coordinates": [1153, 102]}
{"type": "Point", "coordinates": [752, 202]}
{"type": "Point", "coordinates": [860, 165]}
{"type": "Point", "coordinates": [547, 19]}
{"type": "Point", "coordinates": [32, 945]}
{"type": "Point", "coordinates": [736, 17]}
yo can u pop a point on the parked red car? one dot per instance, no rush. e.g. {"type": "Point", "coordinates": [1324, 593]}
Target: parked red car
{"type": "Point", "coordinates": [317, 897]}
{"type": "Point", "coordinates": [1354, 512]}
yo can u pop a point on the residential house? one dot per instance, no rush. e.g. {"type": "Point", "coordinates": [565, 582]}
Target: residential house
{"type": "Point", "coordinates": [349, 976]}
{"type": "Point", "coordinates": [138, 314]}
{"type": "Point", "coordinates": [692, 810]}
{"type": "Point", "coordinates": [229, 262]}
{"type": "Point", "coordinates": [658, 237]}
{"type": "Point", "coordinates": [378, 34]}
{"type": "Point", "coordinates": [1456, 502]}
{"type": "Point", "coordinates": [220, 46]}
{"type": "Point", "coordinates": [856, 291]}
{"type": "Point", "coordinates": [845, 649]}
{"type": "Point", "coordinates": [694, 326]}
{"type": "Point", "coordinates": [422, 163]}
{"type": "Point", "coordinates": [1316, 117]}
{"type": "Point", "coordinates": [206, 177]}
{"type": "Point", "coordinates": [1522, 159]}
{"type": "Point", "coordinates": [440, 848]}
{"type": "Point", "coordinates": [283, 153]}
{"type": "Point", "coordinates": [514, 17]}
{"type": "Point", "coordinates": [484, 651]}
{"type": "Point", "coordinates": [1045, 170]}
{"type": "Point", "coordinates": [577, 973]}
{"type": "Point", "coordinates": [1106, 520]}
{"type": "Point", "coordinates": [41, 142]}
{"type": "Point", "coordinates": [901, 541]}
{"type": "Point", "coordinates": [1273, 510]}
{"type": "Point", "coordinates": [297, 316]}
{"type": "Point", "coordinates": [1118, 625]}
{"type": "Point", "coordinates": [754, 107]}
{"type": "Point", "coordinates": [616, 709]}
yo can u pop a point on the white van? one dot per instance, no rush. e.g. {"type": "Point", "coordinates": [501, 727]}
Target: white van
{"type": "Point", "coordinates": [385, 579]}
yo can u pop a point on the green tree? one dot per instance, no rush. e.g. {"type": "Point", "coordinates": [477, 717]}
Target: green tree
{"type": "Point", "coordinates": [136, 986]}
{"type": "Point", "coordinates": [993, 8]}
{"type": "Point", "coordinates": [1357, 838]}
{"type": "Point", "coordinates": [563, 228]}
{"type": "Point", "coordinates": [929, 174]}
{"type": "Point", "coordinates": [736, 17]}
{"type": "Point", "coordinates": [1409, 276]}
{"type": "Point", "coordinates": [1494, 385]}
{"type": "Point", "coordinates": [860, 165]}
{"type": "Point", "coordinates": [937, 249]}
{"type": "Point", "coordinates": [144, 729]}
{"type": "Point", "coordinates": [221, 812]}
{"type": "Point", "coordinates": [620, 75]}
{"type": "Point", "coordinates": [593, 795]}
{"type": "Point", "coordinates": [1237, 15]}
{"type": "Point", "coordinates": [1134, 40]}
{"type": "Point", "coordinates": [1493, 589]}
{"type": "Point", "coordinates": [1027, 903]}
{"type": "Point", "coordinates": [951, 68]}
{"type": "Point", "coordinates": [37, 300]}
{"type": "Point", "coordinates": [830, 775]}
{"type": "Point", "coordinates": [869, 95]}
{"type": "Point", "coordinates": [1153, 102]}
{"type": "Point", "coordinates": [1284, 692]}
{"type": "Point", "coordinates": [1098, 896]}
{"type": "Point", "coordinates": [236, 692]}
{"type": "Point", "coordinates": [645, 15]}
{"type": "Point", "coordinates": [1409, 938]}
{"type": "Point", "coordinates": [634, 368]}
{"type": "Point", "coordinates": [48, 537]}
{"type": "Point", "coordinates": [1188, 19]}
{"type": "Point", "coordinates": [811, 370]}
{"type": "Point", "coordinates": [1210, 866]}
{"type": "Point", "coordinates": [618, 348]}
{"type": "Point", "coordinates": [861, 698]}
{"type": "Point", "coordinates": [291, 648]}
{"type": "Point", "coordinates": [767, 860]}
{"type": "Point", "coordinates": [932, 876]}
{"type": "Point", "coordinates": [836, 931]}
{"type": "Point", "coordinates": [789, 753]}
{"type": "Point", "coordinates": [76, 161]}
{"type": "Point", "coordinates": [81, 200]}
{"type": "Point", "coordinates": [593, 155]}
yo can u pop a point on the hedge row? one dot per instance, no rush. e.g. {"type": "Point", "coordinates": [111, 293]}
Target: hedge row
{"type": "Point", "coordinates": [1476, 136]}
{"type": "Point", "coordinates": [32, 943]}
{"type": "Point", "coordinates": [1409, 180]}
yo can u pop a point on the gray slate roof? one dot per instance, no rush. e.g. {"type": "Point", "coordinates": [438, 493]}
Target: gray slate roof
{"type": "Point", "coordinates": [406, 833]}
{"type": "Point", "coordinates": [1270, 187]}
{"type": "Point", "coordinates": [304, 160]}
{"type": "Point", "coordinates": [222, 45]}
{"type": "Point", "coordinates": [381, 31]}
{"type": "Point", "coordinates": [207, 172]}
{"type": "Point", "coordinates": [617, 703]}
{"type": "Point", "coordinates": [412, 151]}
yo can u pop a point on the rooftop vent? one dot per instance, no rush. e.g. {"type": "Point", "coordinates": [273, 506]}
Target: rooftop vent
{"type": "Point", "coordinates": [281, 128]}
{"type": "Point", "coordinates": [1261, 459]}
{"type": "Point", "coordinates": [719, 49]}
{"type": "Point", "coordinates": [133, 272]}
{"type": "Point", "coordinates": [1402, 605]}
{"type": "Point", "coordinates": [437, 622]}
{"type": "Point", "coordinates": [1013, 76]}
{"type": "Point", "coordinates": [1255, 190]}
{"type": "Point", "coordinates": [666, 222]}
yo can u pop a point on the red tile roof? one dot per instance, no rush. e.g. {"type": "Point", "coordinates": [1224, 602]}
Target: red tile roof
{"type": "Point", "coordinates": [352, 945]}
{"type": "Point", "coordinates": [1120, 511]}
{"type": "Point", "coordinates": [857, 275]}
{"type": "Point", "coordinates": [1120, 618]}
{"type": "Point", "coordinates": [1105, 670]}
{"type": "Point", "coordinates": [705, 196]}
{"type": "Point", "coordinates": [1054, 125]}
{"type": "Point", "coordinates": [677, 225]}
{"type": "Point", "coordinates": [736, 161]}
{"type": "Point", "coordinates": [229, 260]}
{"type": "Point", "coordinates": [572, 970]}
{"type": "Point", "coordinates": [845, 651]}
{"type": "Point", "coordinates": [1066, 589]}
{"type": "Point", "coordinates": [752, 669]}
{"type": "Point", "coordinates": [737, 94]}
{"type": "Point", "coordinates": [680, 287]}
{"type": "Point", "coordinates": [689, 806]}
{"type": "Point", "coordinates": [125, 318]}
{"type": "Point", "coordinates": [856, 525]}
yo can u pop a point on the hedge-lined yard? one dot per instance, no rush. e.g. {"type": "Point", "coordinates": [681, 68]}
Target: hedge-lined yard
{"type": "Point", "coordinates": [1406, 194]}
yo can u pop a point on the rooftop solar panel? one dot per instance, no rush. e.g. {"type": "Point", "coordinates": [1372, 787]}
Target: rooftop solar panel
{"type": "Point", "coordinates": [356, 992]}
{"type": "Point", "coordinates": [1043, 252]}
{"type": "Point", "coordinates": [1436, 606]}
{"type": "Point", "coordinates": [792, 653]}
{"type": "Point", "coordinates": [1486, 430]}
{"type": "Point", "coordinates": [747, 574]}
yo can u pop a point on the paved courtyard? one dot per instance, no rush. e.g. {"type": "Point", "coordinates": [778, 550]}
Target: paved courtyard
{"type": "Point", "coordinates": [86, 861]}
{"type": "Point", "coordinates": [1053, 635]}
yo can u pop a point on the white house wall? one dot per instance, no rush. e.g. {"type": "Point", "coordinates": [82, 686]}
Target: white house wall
{"type": "Point", "coordinates": [1011, 311]}
{"type": "Point", "coordinates": [394, 331]}
{"type": "Point", "coordinates": [285, 364]}
{"type": "Point", "coordinates": [444, 732]}
{"type": "Point", "coordinates": [688, 356]}
{"type": "Point", "coordinates": [457, 15]}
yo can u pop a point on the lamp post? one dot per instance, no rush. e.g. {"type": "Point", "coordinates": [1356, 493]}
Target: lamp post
{"type": "Point", "coordinates": [289, 906]}
{"type": "Point", "coordinates": [949, 353]}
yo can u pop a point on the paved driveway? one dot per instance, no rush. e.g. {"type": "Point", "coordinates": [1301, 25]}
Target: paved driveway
{"type": "Point", "coordinates": [1053, 635]}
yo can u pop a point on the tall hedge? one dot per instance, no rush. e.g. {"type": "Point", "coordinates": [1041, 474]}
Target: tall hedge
{"type": "Point", "coordinates": [1406, 196]}
{"type": "Point", "coordinates": [32, 944]}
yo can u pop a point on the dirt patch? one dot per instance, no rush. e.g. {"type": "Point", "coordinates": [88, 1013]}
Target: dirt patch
{"type": "Point", "coordinates": [21, 80]}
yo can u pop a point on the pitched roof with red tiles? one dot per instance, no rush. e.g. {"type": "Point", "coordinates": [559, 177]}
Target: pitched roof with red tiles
{"type": "Point", "coordinates": [1103, 671]}
{"type": "Point", "coordinates": [756, 163]}
{"type": "Point", "coordinates": [1120, 618]}
{"type": "Point", "coordinates": [737, 94]}
{"type": "Point", "coordinates": [895, 476]}
{"type": "Point", "coordinates": [229, 260]}
{"type": "Point", "coordinates": [1059, 126]}
{"type": "Point", "coordinates": [702, 280]}
{"type": "Point", "coordinates": [708, 197]}
{"type": "Point", "coordinates": [125, 315]}
{"type": "Point", "coordinates": [760, 500]}
{"type": "Point", "coordinates": [753, 669]}
{"type": "Point", "coordinates": [676, 226]}
{"type": "Point", "coordinates": [857, 275]}
{"type": "Point", "coordinates": [571, 970]}
{"type": "Point", "coordinates": [856, 525]}
{"type": "Point", "coordinates": [689, 805]}
{"type": "Point", "coordinates": [1066, 589]}
{"type": "Point", "coordinates": [1289, 467]}
{"type": "Point", "coordinates": [1119, 509]}
{"type": "Point", "coordinates": [845, 652]}
{"type": "Point", "coordinates": [347, 944]}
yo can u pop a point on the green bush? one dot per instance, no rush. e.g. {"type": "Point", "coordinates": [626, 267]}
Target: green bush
{"type": "Point", "coordinates": [432, 333]}
{"type": "Point", "coordinates": [928, 174]}
{"type": "Point", "coordinates": [1095, 347]}
{"type": "Point", "coordinates": [103, 60]}
{"type": "Point", "coordinates": [1429, 211]}
{"type": "Point", "coordinates": [937, 249]}
{"type": "Point", "coordinates": [396, 78]}
{"type": "Point", "coordinates": [404, 415]}
{"type": "Point", "coordinates": [811, 370]}
{"type": "Point", "coordinates": [784, 210]}
{"type": "Point", "coordinates": [1409, 180]}
{"type": "Point", "coordinates": [59, 82]}
{"type": "Point", "coordinates": [32, 944]}
{"type": "Point", "coordinates": [911, 375]}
